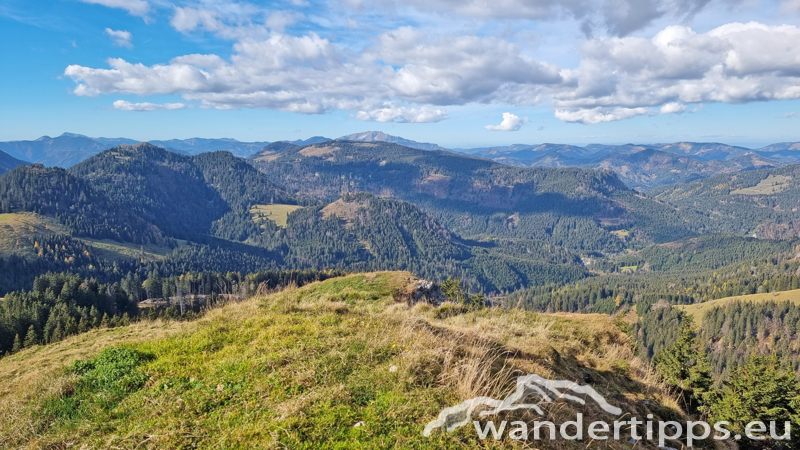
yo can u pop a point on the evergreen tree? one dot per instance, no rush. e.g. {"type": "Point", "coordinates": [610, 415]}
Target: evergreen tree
{"type": "Point", "coordinates": [761, 390]}
{"type": "Point", "coordinates": [685, 366]}
{"type": "Point", "coordinates": [31, 338]}
{"type": "Point", "coordinates": [17, 344]}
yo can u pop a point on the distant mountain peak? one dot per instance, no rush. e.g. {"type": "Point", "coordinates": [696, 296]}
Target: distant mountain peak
{"type": "Point", "coordinates": [74, 135]}
{"type": "Point", "coordinates": [311, 140]}
{"type": "Point", "coordinates": [368, 136]}
{"type": "Point", "coordinates": [380, 136]}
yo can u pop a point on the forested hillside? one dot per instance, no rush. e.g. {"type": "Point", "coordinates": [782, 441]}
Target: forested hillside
{"type": "Point", "coordinates": [759, 202]}
{"type": "Point", "coordinates": [214, 204]}
{"type": "Point", "coordinates": [476, 198]}
{"type": "Point", "coordinates": [759, 267]}
{"type": "Point", "coordinates": [74, 202]}
{"type": "Point", "coordinates": [162, 187]}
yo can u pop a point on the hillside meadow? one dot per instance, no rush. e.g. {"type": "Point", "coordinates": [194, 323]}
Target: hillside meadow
{"type": "Point", "coordinates": [699, 310]}
{"type": "Point", "coordinates": [344, 363]}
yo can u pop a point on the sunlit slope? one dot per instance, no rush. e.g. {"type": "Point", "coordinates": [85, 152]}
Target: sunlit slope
{"type": "Point", "coordinates": [699, 310]}
{"type": "Point", "coordinates": [344, 363]}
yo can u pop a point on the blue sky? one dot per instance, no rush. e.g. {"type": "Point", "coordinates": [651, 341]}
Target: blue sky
{"type": "Point", "coordinates": [460, 73]}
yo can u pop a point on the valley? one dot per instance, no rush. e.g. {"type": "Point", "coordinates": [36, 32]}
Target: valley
{"type": "Point", "coordinates": [149, 249]}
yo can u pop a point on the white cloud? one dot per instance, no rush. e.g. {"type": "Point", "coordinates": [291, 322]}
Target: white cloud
{"type": "Point", "coordinates": [122, 105]}
{"type": "Point", "coordinates": [617, 17]}
{"type": "Point", "coordinates": [309, 74]}
{"type": "Point", "coordinates": [120, 38]}
{"type": "Point", "coordinates": [616, 78]}
{"type": "Point", "coordinates": [450, 70]}
{"type": "Point", "coordinates": [391, 113]}
{"type": "Point", "coordinates": [225, 20]}
{"type": "Point", "coordinates": [138, 8]}
{"type": "Point", "coordinates": [734, 63]}
{"type": "Point", "coordinates": [791, 115]}
{"type": "Point", "coordinates": [790, 6]}
{"type": "Point", "coordinates": [673, 108]}
{"type": "Point", "coordinates": [599, 115]}
{"type": "Point", "coordinates": [279, 20]}
{"type": "Point", "coordinates": [511, 122]}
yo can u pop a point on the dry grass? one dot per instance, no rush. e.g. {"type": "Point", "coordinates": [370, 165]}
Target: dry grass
{"type": "Point", "coordinates": [277, 213]}
{"type": "Point", "coordinates": [770, 185]}
{"type": "Point", "coordinates": [19, 372]}
{"type": "Point", "coordinates": [319, 150]}
{"type": "Point", "coordinates": [343, 210]}
{"type": "Point", "coordinates": [17, 228]}
{"type": "Point", "coordinates": [297, 368]}
{"type": "Point", "coordinates": [115, 251]}
{"type": "Point", "coordinates": [699, 310]}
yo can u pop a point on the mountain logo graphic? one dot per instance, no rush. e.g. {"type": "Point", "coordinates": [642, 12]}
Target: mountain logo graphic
{"type": "Point", "coordinates": [528, 386]}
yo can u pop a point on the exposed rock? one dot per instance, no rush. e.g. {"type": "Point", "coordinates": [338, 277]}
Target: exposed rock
{"type": "Point", "coordinates": [422, 291]}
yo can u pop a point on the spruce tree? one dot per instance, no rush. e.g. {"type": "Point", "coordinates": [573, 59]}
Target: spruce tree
{"type": "Point", "coordinates": [31, 338]}
{"type": "Point", "coordinates": [761, 390]}
{"type": "Point", "coordinates": [17, 346]}
{"type": "Point", "coordinates": [685, 365]}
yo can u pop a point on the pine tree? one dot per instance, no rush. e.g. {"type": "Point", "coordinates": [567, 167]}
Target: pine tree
{"type": "Point", "coordinates": [31, 338]}
{"type": "Point", "coordinates": [17, 344]}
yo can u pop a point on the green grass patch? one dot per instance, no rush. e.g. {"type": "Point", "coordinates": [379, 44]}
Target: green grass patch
{"type": "Point", "coordinates": [277, 213]}
{"type": "Point", "coordinates": [100, 384]}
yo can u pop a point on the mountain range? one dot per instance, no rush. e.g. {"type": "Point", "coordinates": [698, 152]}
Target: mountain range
{"type": "Point", "coordinates": [641, 167]}
{"type": "Point", "coordinates": [647, 166]}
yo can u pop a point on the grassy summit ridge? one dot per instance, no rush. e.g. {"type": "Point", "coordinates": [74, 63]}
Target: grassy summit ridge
{"type": "Point", "coordinates": [299, 368]}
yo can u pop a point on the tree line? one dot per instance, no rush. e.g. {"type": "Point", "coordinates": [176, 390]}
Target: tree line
{"type": "Point", "coordinates": [63, 304]}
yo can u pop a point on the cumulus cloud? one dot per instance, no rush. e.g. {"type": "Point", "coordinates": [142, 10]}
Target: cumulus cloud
{"type": "Point", "coordinates": [309, 74]}
{"type": "Point", "coordinates": [449, 70]}
{"type": "Point", "coordinates": [392, 113]}
{"type": "Point", "coordinates": [230, 20]}
{"type": "Point", "coordinates": [120, 38]}
{"type": "Point", "coordinates": [617, 17]}
{"type": "Point", "coordinates": [407, 75]}
{"type": "Point", "coordinates": [122, 105]}
{"type": "Point", "coordinates": [734, 63]}
{"type": "Point", "coordinates": [673, 108]}
{"type": "Point", "coordinates": [511, 122]}
{"type": "Point", "coordinates": [138, 8]}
